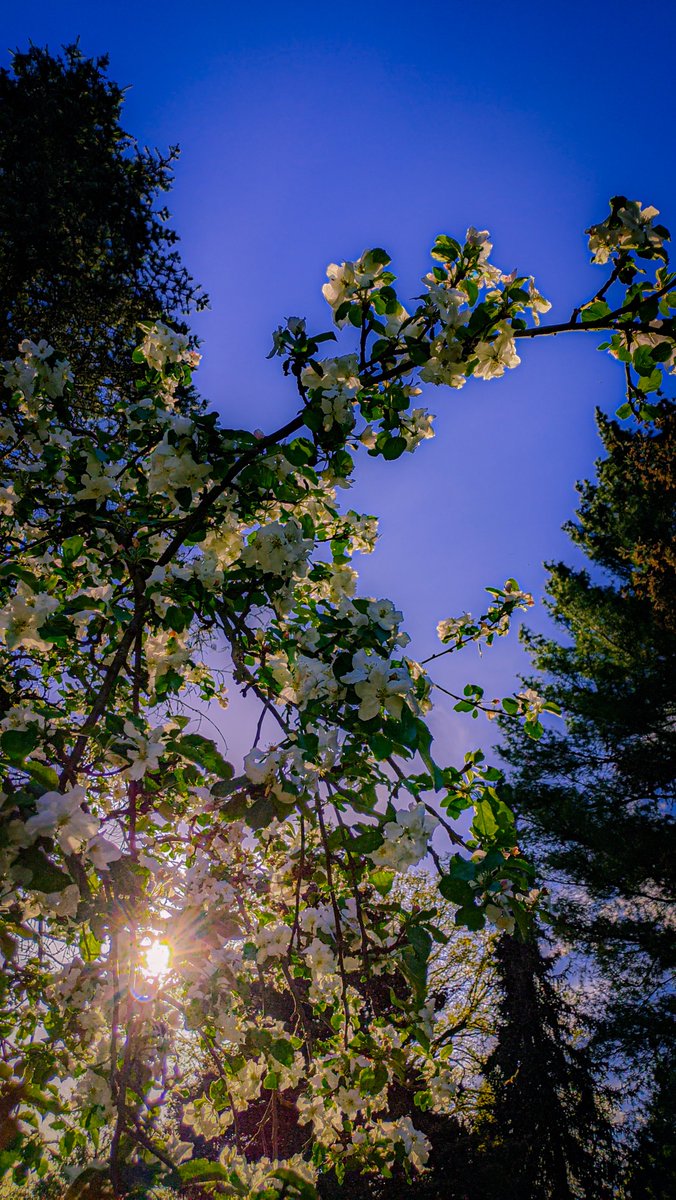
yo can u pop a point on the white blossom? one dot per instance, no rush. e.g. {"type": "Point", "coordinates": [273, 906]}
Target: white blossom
{"type": "Point", "coordinates": [497, 355]}
{"type": "Point", "coordinates": [162, 345]}
{"type": "Point", "coordinates": [60, 815]}
{"type": "Point", "coordinates": [378, 684]}
{"type": "Point", "coordinates": [629, 229]}
{"type": "Point", "coordinates": [279, 548]}
{"type": "Point", "coordinates": [23, 618]}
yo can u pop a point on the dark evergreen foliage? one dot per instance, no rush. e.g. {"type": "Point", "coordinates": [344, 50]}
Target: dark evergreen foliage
{"type": "Point", "coordinates": [653, 1174]}
{"type": "Point", "coordinates": [595, 800]}
{"type": "Point", "coordinates": [85, 250]}
{"type": "Point", "coordinates": [545, 1137]}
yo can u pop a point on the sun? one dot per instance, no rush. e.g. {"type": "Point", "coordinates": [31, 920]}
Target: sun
{"type": "Point", "coordinates": [157, 959]}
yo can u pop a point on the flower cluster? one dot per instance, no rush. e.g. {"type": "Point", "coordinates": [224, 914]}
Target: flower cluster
{"type": "Point", "coordinates": [163, 345]}
{"type": "Point", "coordinates": [630, 227]}
{"type": "Point", "coordinates": [495, 622]}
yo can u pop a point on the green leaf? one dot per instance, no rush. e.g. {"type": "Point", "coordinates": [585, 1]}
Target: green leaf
{"type": "Point", "coordinates": [45, 1102]}
{"type": "Point", "coordinates": [382, 881]}
{"type": "Point", "coordinates": [199, 1170]}
{"type": "Point", "coordinates": [282, 1051]}
{"type": "Point", "coordinates": [662, 351]}
{"type": "Point", "coordinates": [393, 448]}
{"type": "Point", "coordinates": [437, 774]}
{"type": "Point", "coordinates": [45, 875]}
{"type": "Point", "coordinates": [372, 1079]}
{"type": "Point", "coordinates": [408, 728]}
{"type": "Point", "coordinates": [420, 940]}
{"type": "Point", "coordinates": [42, 774]}
{"type": "Point", "coordinates": [59, 630]}
{"type": "Point", "coordinates": [18, 743]}
{"type": "Point", "coordinates": [643, 361]}
{"type": "Point", "coordinates": [534, 730]}
{"type": "Point", "coordinates": [261, 813]}
{"type": "Point", "coordinates": [423, 1100]}
{"type": "Point", "coordinates": [300, 451]}
{"type": "Point", "coordinates": [90, 946]}
{"type": "Point", "coordinates": [366, 841]}
{"type": "Point", "coordinates": [651, 383]}
{"type": "Point", "coordinates": [342, 463]}
{"type": "Point", "coordinates": [183, 497]}
{"type": "Point", "coordinates": [415, 970]}
{"type": "Point", "coordinates": [380, 745]}
{"type": "Point", "coordinates": [225, 787]}
{"type": "Point", "coordinates": [438, 935]}
{"type": "Point", "coordinates": [236, 808]}
{"type": "Point", "coordinates": [415, 957]}
{"type": "Point", "coordinates": [445, 248]}
{"type": "Point", "coordinates": [457, 891]}
{"type": "Point", "coordinates": [71, 548]}
{"type": "Point", "coordinates": [462, 868]}
{"type": "Point", "coordinates": [203, 751]}
{"type": "Point", "coordinates": [595, 311]}
{"type": "Point", "coordinates": [177, 619]}
{"type": "Point", "coordinates": [418, 352]}
{"type": "Point", "coordinates": [218, 1093]}
{"type": "Point", "coordinates": [303, 1189]}
{"type": "Point", "coordinates": [485, 823]}
{"type": "Point", "coordinates": [472, 918]}
{"type": "Point", "coordinates": [377, 255]}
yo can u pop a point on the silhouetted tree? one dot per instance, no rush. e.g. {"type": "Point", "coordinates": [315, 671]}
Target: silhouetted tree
{"type": "Point", "coordinates": [595, 800]}
{"type": "Point", "coordinates": [653, 1174]}
{"type": "Point", "coordinates": [545, 1137]}
{"type": "Point", "coordinates": [85, 249]}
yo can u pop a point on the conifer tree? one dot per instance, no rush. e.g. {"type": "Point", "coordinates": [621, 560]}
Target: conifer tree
{"type": "Point", "coordinates": [653, 1174]}
{"type": "Point", "coordinates": [596, 799]}
{"type": "Point", "coordinates": [546, 1136]}
{"type": "Point", "coordinates": [85, 248]}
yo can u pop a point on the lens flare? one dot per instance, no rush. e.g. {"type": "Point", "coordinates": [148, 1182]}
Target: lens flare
{"type": "Point", "coordinates": [157, 959]}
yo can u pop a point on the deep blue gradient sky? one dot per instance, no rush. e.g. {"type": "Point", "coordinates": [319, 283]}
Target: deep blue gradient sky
{"type": "Point", "coordinates": [310, 131]}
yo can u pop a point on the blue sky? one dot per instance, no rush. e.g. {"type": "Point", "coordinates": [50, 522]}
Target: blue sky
{"type": "Point", "coordinates": [310, 131]}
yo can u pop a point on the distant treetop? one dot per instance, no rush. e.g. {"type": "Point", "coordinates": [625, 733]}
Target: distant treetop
{"type": "Point", "coordinates": [85, 248]}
